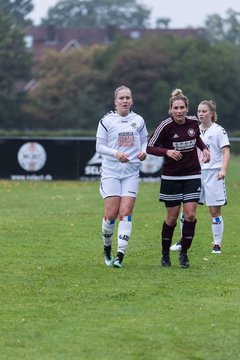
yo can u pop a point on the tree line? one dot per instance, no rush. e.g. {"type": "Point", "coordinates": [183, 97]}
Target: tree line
{"type": "Point", "coordinates": [75, 89]}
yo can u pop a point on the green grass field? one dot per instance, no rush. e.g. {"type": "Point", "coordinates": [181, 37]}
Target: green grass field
{"type": "Point", "coordinates": [59, 301]}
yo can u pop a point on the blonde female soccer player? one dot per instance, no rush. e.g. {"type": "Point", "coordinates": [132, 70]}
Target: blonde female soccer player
{"type": "Point", "coordinates": [213, 191]}
{"type": "Point", "coordinates": [177, 139]}
{"type": "Point", "coordinates": [214, 172]}
{"type": "Point", "coordinates": [121, 140]}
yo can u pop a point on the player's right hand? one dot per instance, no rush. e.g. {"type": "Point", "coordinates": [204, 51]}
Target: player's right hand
{"type": "Point", "coordinates": [122, 157]}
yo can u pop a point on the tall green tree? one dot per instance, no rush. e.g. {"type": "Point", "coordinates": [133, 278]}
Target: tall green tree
{"type": "Point", "coordinates": [15, 66]}
{"type": "Point", "coordinates": [68, 92]}
{"type": "Point", "coordinates": [224, 29]}
{"type": "Point", "coordinates": [163, 23]}
{"type": "Point", "coordinates": [98, 14]}
{"type": "Point", "coordinates": [75, 89]}
{"type": "Point", "coordinates": [153, 68]}
{"type": "Point", "coordinates": [17, 10]}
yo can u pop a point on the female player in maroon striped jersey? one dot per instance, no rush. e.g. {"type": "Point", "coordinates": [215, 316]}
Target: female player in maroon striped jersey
{"type": "Point", "coordinates": [177, 139]}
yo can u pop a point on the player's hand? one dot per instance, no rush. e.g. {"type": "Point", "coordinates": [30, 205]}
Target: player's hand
{"type": "Point", "coordinates": [142, 156]}
{"type": "Point", "coordinates": [221, 175]}
{"type": "Point", "coordinates": [174, 154]}
{"type": "Point", "coordinates": [206, 156]}
{"type": "Point", "coordinates": [122, 157]}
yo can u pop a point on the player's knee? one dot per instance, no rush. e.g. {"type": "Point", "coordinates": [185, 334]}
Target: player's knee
{"type": "Point", "coordinates": [190, 217]}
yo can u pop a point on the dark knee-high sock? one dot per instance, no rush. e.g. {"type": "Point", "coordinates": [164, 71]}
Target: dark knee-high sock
{"type": "Point", "coordinates": [188, 232]}
{"type": "Point", "coordinates": [167, 234]}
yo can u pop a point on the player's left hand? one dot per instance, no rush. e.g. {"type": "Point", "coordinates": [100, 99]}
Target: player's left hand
{"type": "Point", "coordinates": [206, 156]}
{"type": "Point", "coordinates": [221, 175]}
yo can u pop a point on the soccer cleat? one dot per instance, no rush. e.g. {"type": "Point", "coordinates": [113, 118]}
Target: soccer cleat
{"type": "Point", "coordinates": [184, 261]}
{"type": "Point", "coordinates": [165, 260]}
{"type": "Point", "coordinates": [176, 247]}
{"type": "Point", "coordinates": [117, 263]}
{"type": "Point", "coordinates": [118, 260]}
{"type": "Point", "coordinates": [108, 258]}
{"type": "Point", "coordinates": [216, 249]}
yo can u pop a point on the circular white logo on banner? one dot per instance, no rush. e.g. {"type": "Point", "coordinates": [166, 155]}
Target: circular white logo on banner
{"type": "Point", "coordinates": [32, 156]}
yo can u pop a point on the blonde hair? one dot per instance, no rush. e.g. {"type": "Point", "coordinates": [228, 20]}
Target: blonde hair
{"type": "Point", "coordinates": [212, 107]}
{"type": "Point", "coordinates": [177, 94]}
{"type": "Point", "coordinates": [122, 87]}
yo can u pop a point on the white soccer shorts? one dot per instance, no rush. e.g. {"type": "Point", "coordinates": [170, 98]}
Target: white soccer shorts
{"type": "Point", "coordinates": [213, 191]}
{"type": "Point", "coordinates": [112, 186]}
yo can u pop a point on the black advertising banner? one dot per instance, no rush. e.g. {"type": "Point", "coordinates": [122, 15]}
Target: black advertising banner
{"type": "Point", "coordinates": [89, 161]}
{"type": "Point", "coordinates": [38, 159]}
{"type": "Point", "coordinates": [59, 159]}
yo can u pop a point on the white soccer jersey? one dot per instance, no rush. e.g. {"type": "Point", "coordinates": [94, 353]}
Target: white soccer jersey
{"type": "Point", "coordinates": [215, 138]}
{"type": "Point", "coordinates": [123, 133]}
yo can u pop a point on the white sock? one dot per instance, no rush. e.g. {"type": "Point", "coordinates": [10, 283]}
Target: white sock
{"type": "Point", "coordinates": [181, 223]}
{"type": "Point", "coordinates": [107, 231]}
{"type": "Point", "coordinates": [217, 229]}
{"type": "Point", "coordinates": [124, 232]}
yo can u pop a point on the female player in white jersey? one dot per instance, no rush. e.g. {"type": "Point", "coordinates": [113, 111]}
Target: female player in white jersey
{"type": "Point", "coordinates": [213, 189]}
{"type": "Point", "coordinates": [214, 172]}
{"type": "Point", "coordinates": [121, 140]}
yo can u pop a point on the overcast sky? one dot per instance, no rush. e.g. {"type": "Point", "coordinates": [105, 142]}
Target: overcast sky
{"type": "Point", "coordinates": [182, 13]}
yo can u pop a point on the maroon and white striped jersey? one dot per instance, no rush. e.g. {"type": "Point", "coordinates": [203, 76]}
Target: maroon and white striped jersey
{"type": "Point", "coordinates": [169, 135]}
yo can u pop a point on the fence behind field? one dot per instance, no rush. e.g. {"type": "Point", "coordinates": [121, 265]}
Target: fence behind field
{"type": "Point", "coordinates": [64, 158]}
